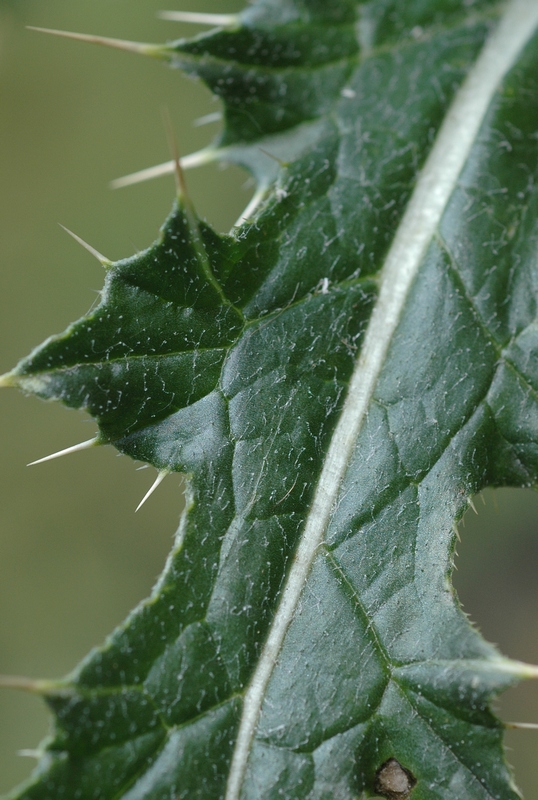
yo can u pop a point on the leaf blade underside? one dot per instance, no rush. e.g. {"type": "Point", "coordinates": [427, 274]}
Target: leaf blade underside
{"type": "Point", "coordinates": [232, 358]}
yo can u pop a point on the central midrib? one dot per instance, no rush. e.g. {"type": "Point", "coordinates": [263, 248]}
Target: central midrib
{"type": "Point", "coordinates": [412, 239]}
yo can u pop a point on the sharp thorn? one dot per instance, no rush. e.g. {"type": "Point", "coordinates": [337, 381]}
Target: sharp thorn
{"type": "Point", "coordinates": [30, 753]}
{"type": "Point", "coordinates": [187, 162]}
{"type": "Point", "coordinates": [199, 18]}
{"type": "Point", "coordinates": [172, 143]}
{"type": "Point", "coordinates": [153, 50]}
{"type": "Point", "coordinates": [8, 380]}
{"type": "Point", "coordinates": [158, 480]}
{"type": "Point", "coordinates": [73, 449]}
{"type": "Point", "coordinates": [528, 726]}
{"type": "Point", "coordinates": [248, 212]}
{"type": "Point", "coordinates": [472, 505]}
{"type": "Point", "coordinates": [518, 669]}
{"type": "Point", "coordinates": [215, 116]}
{"type": "Point", "coordinates": [26, 684]}
{"type": "Point", "coordinates": [186, 205]}
{"type": "Point", "coordinates": [143, 175]}
{"type": "Point", "coordinates": [106, 262]}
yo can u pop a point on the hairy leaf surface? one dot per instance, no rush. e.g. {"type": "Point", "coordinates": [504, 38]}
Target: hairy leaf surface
{"type": "Point", "coordinates": [336, 376]}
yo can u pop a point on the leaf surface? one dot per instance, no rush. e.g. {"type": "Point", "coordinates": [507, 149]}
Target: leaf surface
{"type": "Point", "coordinates": [336, 376]}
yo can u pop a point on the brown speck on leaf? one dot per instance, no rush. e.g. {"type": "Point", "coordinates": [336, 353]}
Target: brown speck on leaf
{"type": "Point", "coordinates": [394, 781]}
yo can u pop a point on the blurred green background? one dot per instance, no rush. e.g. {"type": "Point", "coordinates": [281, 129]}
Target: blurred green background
{"type": "Point", "coordinates": [74, 558]}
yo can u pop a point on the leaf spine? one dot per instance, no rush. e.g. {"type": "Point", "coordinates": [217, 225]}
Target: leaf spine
{"type": "Point", "coordinates": [207, 119]}
{"type": "Point", "coordinates": [66, 451]}
{"type": "Point", "coordinates": [181, 186]}
{"type": "Point", "coordinates": [106, 262]}
{"type": "Point", "coordinates": [158, 480]}
{"type": "Point", "coordinates": [526, 726]}
{"type": "Point", "coordinates": [199, 18]}
{"type": "Point", "coordinates": [8, 380]}
{"type": "Point", "coordinates": [43, 687]}
{"type": "Point", "coordinates": [153, 50]}
{"type": "Point", "coordinates": [198, 159]}
{"type": "Point", "coordinates": [247, 214]}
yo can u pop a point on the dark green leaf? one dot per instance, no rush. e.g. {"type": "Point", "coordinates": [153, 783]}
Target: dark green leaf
{"type": "Point", "coordinates": [336, 376]}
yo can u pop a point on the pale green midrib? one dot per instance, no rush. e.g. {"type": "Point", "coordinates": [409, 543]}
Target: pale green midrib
{"type": "Point", "coordinates": [413, 237]}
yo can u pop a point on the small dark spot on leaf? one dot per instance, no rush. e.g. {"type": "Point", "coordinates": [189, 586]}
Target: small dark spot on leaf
{"type": "Point", "coordinates": [394, 781]}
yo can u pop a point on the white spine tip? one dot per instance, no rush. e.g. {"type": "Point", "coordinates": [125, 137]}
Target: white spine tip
{"type": "Point", "coordinates": [25, 684]}
{"type": "Point", "coordinates": [30, 753]}
{"type": "Point", "coordinates": [472, 505]}
{"type": "Point", "coordinates": [7, 380]}
{"type": "Point", "coordinates": [158, 480]}
{"type": "Point", "coordinates": [156, 51]}
{"type": "Point", "coordinates": [106, 262]}
{"type": "Point", "coordinates": [144, 175]}
{"type": "Point", "coordinates": [525, 726]}
{"type": "Point", "coordinates": [73, 449]}
{"type": "Point", "coordinates": [197, 159]}
{"type": "Point", "coordinates": [199, 18]}
{"type": "Point", "coordinates": [207, 119]}
{"type": "Point", "coordinates": [252, 206]}
{"type": "Point", "coordinates": [519, 669]}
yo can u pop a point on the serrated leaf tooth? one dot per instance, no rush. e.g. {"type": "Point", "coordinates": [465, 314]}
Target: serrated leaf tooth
{"type": "Point", "coordinates": [73, 449]}
{"type": "Point", "coordinates": [106, 262]}
{"type": "Point", "coordinates": [158, 480]}
{"type": "Point", "coordinates": [198, 159]}
{"type": "Point", "coordinates": [191, 218]}
{"type": "Point", "coordinates": [199, 18]}
{"type": "Point", "coordinates": [33, 384]}
{"type": "Point", "coordinates": [153, 50]}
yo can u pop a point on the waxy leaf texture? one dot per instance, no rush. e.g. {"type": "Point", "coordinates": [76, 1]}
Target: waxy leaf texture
{"type": "Point", "coordinates": [336, 376]}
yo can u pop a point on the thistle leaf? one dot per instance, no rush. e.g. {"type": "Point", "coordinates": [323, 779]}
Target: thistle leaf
{"type": "Point", "coordinates": [336, 377]}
